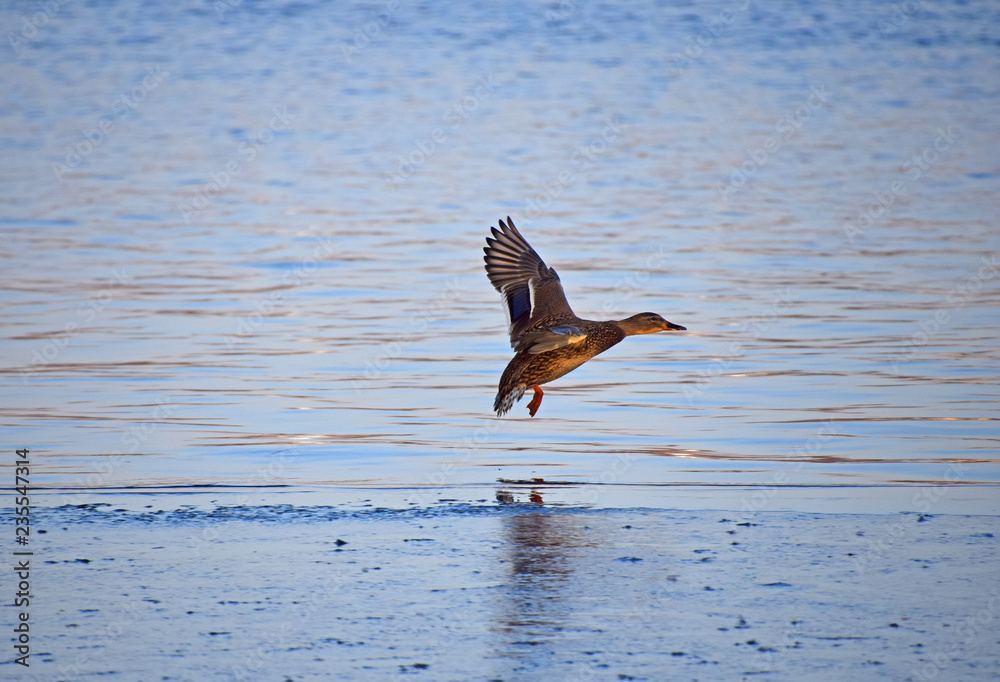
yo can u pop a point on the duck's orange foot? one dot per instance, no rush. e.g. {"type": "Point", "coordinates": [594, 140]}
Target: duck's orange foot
{"type": "Point", "coordinates": [535, 402]}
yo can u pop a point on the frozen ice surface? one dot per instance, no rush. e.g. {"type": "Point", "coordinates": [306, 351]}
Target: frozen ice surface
{"type": "Point", "coordinates": [481, 590]}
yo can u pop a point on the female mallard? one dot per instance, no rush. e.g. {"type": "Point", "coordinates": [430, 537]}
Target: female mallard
{"type": "Point", "coordinates": [548, 339]}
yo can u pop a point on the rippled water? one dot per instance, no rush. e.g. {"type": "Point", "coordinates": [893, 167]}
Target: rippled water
{"type": "Point", "coordinates": [242, 243]}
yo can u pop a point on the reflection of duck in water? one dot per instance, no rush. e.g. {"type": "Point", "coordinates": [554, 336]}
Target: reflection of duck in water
{"type": "Point", "coordinates": [549, 340]}
{"type": "Point", "coordinates": [507, 497]}
{"type": "Point", "coordinates": [546, 561]}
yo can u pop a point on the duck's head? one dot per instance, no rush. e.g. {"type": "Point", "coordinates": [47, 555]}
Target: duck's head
{"type": "Point", "coordinates": [647, 323]}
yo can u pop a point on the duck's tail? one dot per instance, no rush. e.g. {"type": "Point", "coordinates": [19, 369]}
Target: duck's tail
{"type": "Point", "coordinates": [506, 397]}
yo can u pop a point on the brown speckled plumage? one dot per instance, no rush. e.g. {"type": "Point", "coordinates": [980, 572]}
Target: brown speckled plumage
{"type": "Point", "coordinates": [549, 340]}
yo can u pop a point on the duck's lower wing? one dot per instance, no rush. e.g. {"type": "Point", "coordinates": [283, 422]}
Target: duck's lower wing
{"type": "Point", "coordinates": [552, 338]}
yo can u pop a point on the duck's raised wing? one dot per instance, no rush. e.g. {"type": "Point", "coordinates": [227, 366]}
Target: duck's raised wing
{"type": "Point", "coordinates": [531, 290]}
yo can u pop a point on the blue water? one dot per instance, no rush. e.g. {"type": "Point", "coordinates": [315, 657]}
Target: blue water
{"type": "Point", "coordinates": [242, 242]}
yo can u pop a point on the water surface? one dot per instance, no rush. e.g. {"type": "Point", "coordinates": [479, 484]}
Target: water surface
{"type": "Point", "coordinates": [242, 244]}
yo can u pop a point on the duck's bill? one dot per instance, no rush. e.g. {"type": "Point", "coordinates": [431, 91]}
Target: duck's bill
{"type": "Point", "coordinates": [675, 327]}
